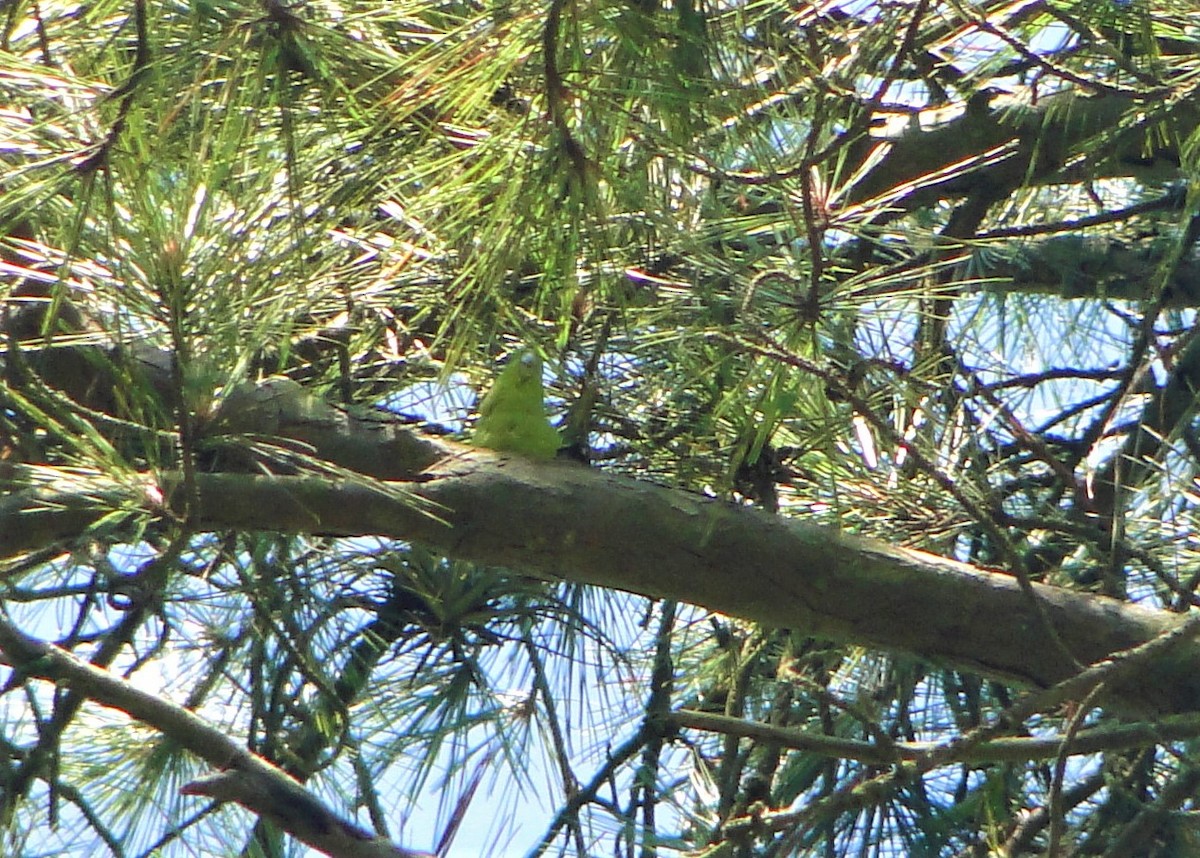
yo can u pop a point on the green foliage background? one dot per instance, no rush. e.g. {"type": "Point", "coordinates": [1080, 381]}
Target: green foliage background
{"type": "Point", "coordinates": [917, 270]}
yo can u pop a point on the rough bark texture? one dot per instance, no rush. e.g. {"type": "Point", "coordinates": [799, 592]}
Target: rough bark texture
{"type": "Point", "coordinates": [565, 520]}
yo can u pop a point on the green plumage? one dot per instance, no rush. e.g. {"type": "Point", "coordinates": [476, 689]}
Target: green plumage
{"type": "Point", "coordinates": [512, 417]}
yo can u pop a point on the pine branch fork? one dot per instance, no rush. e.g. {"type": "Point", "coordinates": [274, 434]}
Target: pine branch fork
{"type": "Point", "coordinates": [562, 520]}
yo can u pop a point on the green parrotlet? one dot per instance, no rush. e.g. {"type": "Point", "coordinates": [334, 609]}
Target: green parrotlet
{"type": "Point", "coordinates": [512, 417]}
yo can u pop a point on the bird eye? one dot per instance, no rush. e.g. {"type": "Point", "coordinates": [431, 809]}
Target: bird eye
{"type": "Point", "coordinates": [528, 359]}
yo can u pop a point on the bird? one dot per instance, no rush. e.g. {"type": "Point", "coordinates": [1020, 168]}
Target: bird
{"type": "Point", "coordinates": [512, 417]}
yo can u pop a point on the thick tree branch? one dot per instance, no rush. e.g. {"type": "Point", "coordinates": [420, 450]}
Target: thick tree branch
{"type": "Point", "coordinates": [1043, 140]}
{"type": "Point", "coordinates": [368, 474]}
{"type": "Point", "coordinates": [563, 521]}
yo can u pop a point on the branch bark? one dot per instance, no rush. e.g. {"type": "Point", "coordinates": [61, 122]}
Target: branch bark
{"type": "Point", "coordinates": [560, 520]}
{"type": "Point", "coordinates": [243, 778]}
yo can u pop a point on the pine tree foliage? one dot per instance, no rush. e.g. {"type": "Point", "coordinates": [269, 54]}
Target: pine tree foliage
{"type": "Point", "coordinates": [924, 272]}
